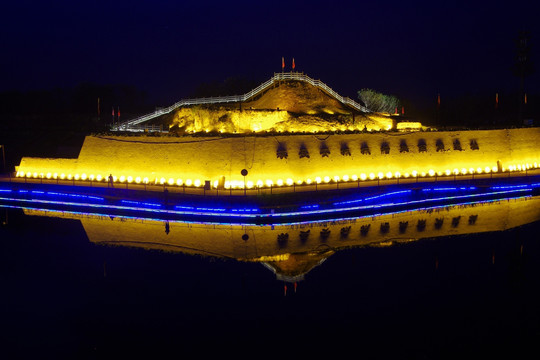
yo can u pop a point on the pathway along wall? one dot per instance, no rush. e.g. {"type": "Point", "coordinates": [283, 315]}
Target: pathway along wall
{"type": "Point", "coordinates": [291, 158]}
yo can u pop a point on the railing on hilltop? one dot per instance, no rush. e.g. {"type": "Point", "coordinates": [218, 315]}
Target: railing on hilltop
{"type": "Point", "coordinates": [128, 125]}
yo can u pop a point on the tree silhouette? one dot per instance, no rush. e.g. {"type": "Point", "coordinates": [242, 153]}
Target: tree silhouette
{"type": "Point", "coordinates": [523, 67]}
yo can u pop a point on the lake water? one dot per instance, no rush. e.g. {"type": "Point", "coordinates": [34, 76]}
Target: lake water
{"type": "Point", "coordinates": [66, 294]}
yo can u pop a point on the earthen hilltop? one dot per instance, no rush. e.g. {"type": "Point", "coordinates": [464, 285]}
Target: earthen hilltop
{"type": "Point", "coordinates": [292, 133]}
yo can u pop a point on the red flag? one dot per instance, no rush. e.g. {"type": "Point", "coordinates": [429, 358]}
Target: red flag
{"type": "Point", "coordinates": [293, 63]}
{"type": "Point", "coordinates": [282, 63]}
{"type": "Point", "coordinates": [113, 112]}
{"type": "Point", "coordinates": [119, 111]}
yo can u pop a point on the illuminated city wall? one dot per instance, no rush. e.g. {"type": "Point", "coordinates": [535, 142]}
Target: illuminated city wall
{"type": "Point", "coordinates": [287, 159]}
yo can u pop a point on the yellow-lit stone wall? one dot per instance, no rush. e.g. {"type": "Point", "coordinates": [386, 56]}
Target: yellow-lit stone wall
{"type": "Point", "coordinates": [217, 159]}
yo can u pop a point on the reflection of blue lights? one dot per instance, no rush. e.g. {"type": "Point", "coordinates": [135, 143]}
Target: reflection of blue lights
{"type": "Point", "coordinates": [429, 208]}
{"type": "Point", "coordinates": [371, 203]}
{"type": "Point", "coordinates": [510, 187]}
{"type": "Point", "coordinates": [450, 189]}
{"type": "Point", "coordinates": [293, 223]}
{"type": "Point", "coordinates": [140, 203]}
{"type": "Point", "coordinates": [184, 207]}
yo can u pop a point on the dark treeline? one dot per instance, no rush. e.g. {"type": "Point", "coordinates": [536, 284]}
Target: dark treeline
{"type": "Point", "coordinates": [482, 110]}
{"type": "Point", "coordinates": [71, 109]}
{"type": "Point", "coordinates": [53, 123]}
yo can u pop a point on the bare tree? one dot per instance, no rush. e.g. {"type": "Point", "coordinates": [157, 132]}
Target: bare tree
{"type": "Point", "coordinates": [523, 67]}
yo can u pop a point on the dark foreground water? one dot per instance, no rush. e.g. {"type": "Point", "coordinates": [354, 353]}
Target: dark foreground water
{"type": "Point", "coordinates": [64, 297]}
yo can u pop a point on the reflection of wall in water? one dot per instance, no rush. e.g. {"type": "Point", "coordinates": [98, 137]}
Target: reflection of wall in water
{"type": "Point", "coordinates": [265, 242]}
{"type": "Point", "coordinates": [292, 251]}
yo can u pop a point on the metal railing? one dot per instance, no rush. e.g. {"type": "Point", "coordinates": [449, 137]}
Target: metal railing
{"type": "Point", "coordinates": [129, 124]}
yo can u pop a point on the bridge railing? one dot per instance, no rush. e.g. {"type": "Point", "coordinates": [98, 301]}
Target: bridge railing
{"type": "Point", "coordinates": [126, 125]}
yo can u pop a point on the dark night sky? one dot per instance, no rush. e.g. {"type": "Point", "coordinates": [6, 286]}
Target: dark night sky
{"type": "Point", "coordinates": [408, 48]}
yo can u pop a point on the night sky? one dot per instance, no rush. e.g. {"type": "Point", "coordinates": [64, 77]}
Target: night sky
{"type": "Point", "coordinates": [167, 48]}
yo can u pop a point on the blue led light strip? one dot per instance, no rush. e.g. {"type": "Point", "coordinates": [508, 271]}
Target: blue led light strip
{"type": "Point", "coordinates": [269, 225]}
{"type": "Point", "coordinates": [248, 215]}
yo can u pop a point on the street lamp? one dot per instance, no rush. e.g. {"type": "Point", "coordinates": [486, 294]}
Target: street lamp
{"type": "Point", "coordinates": [244, 173]}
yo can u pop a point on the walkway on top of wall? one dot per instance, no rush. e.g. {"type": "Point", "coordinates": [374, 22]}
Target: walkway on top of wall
{"type": "Point", "coordinates": [127, 125]}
